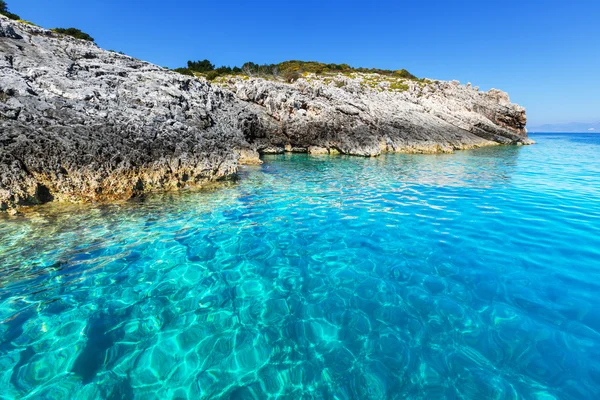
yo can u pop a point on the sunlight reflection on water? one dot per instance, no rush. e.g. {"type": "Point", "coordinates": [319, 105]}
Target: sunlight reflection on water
{"type": "Point", "coordinates": [469, 275]}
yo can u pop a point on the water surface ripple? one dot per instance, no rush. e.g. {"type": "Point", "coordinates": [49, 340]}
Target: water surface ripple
{"type": "Point", "coordinates": [474, 275]}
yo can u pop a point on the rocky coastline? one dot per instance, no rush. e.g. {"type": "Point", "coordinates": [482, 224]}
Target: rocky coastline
{"type": "Point", "coordinates": [83, 124]}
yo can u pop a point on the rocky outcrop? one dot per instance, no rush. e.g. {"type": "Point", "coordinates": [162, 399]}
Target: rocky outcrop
{"type": "Point", "coordinates": [364, 114]}
{"type": "Point", "coordinates": [78, 123]}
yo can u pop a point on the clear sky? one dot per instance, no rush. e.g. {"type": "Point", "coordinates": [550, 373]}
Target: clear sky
{"type": "Point", "coordinates": [544, 53]}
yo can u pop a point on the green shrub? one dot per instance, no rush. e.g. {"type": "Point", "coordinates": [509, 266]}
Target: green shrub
{"type": "Point", "coordinates": [291, 75]}
{"type": "Point", "coordinates": [404, 74]}
{"type": "Point", "coordinates": [200, 66]}
{"type": "Point", "coordinates": [26, 22]}
{"type": "Point", "coordinates": [224, 70]}
{"type": "Point", "coordinates": [10, 15]}
{"type": "Point", "coordinates": [399, 86]}
{"type": "Point", "coordinates": [184, 71]}
{"type": "Point", "coordinates": [251, 68]}
{"type": "Point", "coordinates": [290, 70]}
{"type": "Point", "coordinates": [74, 32]}
{"type": "Point", "coordinates": [211, 75]}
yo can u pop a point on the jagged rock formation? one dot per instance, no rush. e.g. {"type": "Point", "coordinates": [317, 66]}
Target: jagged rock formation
{"type": "Point", "coordinates": [364, 115]}
{"type": "Point", "coordinates": [79, 123]}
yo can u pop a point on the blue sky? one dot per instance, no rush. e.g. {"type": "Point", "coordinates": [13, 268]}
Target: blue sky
{"type": "Point", "coordinates": [544, 53]}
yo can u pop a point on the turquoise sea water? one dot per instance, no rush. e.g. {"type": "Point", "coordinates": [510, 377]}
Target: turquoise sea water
{"type": "Point", "coordinates": [474, 275]}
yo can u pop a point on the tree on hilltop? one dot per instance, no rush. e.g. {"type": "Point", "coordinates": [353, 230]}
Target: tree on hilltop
{"type": "Point", "coordinates": [200, 66]}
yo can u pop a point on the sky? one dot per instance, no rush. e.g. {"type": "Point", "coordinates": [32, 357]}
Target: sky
{"type": "Point", "coordinates": [544, 53]}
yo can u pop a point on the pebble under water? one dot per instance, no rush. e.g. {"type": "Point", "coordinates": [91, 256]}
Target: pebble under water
{"type": "Point", "coordinates": [473, 275]}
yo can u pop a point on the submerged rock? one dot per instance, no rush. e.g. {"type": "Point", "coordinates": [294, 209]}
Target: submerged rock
{"type": "Point", "coordinates": [78, 123]}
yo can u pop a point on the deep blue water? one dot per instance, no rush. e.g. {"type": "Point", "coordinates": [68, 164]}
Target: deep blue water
{"type": "Point", "coordinates": [474, 275]}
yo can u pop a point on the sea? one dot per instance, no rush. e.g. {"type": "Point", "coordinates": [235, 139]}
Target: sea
{"type": "Point", "coordinates": [473, 275]}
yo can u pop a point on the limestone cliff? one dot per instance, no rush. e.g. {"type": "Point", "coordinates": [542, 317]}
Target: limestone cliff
{"type": "Point", "coordinates": [78, 123]}
{"type": "Point", "coordinates": [366, 114]}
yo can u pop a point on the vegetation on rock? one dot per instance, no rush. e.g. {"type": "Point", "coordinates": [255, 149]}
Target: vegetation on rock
{"type": "Point", "coordinates": [200, 66]}
{"type": "Point", "coordinates": [184, 71]}
{"type": "Point", "coordinates": [288, 70]}
{"type": "Point", "coordinates": [74, 32]}
{"type": "Point", "coordinates": [399, 86]}
{"type": "Point", "coordinates": [26, 22]}
{"type": "Point", "coordinates": [4, 11]}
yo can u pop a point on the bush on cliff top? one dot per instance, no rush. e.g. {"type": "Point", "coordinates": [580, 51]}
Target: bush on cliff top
{"type": "Point", "coordinates": [289, 70]}
{"type": "Point", "coordinates": [200, 66]}
{"type": "Point", "coordinates": [184, 71]}
{"type": "Point", "coordinates": [211, 75]}
{"type": "Point", "coordinates": [4, 11]}
{"type": "Point", "coordinates": [74, 32]}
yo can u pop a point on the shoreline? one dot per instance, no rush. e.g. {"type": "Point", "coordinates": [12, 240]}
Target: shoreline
{"type": "Point", "coordinates": [82, 123]}
{"type": "Point", "coordinates": [224, 183]}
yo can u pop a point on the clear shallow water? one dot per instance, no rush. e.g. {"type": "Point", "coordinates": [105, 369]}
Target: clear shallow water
{"type": "Point", "coordinates": [474, 275]}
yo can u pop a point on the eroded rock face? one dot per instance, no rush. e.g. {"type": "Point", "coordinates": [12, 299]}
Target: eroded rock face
{"type": "Point", "coordinates": [363, 115]}
{"type": "Point", "coordinates": [78, 123]}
